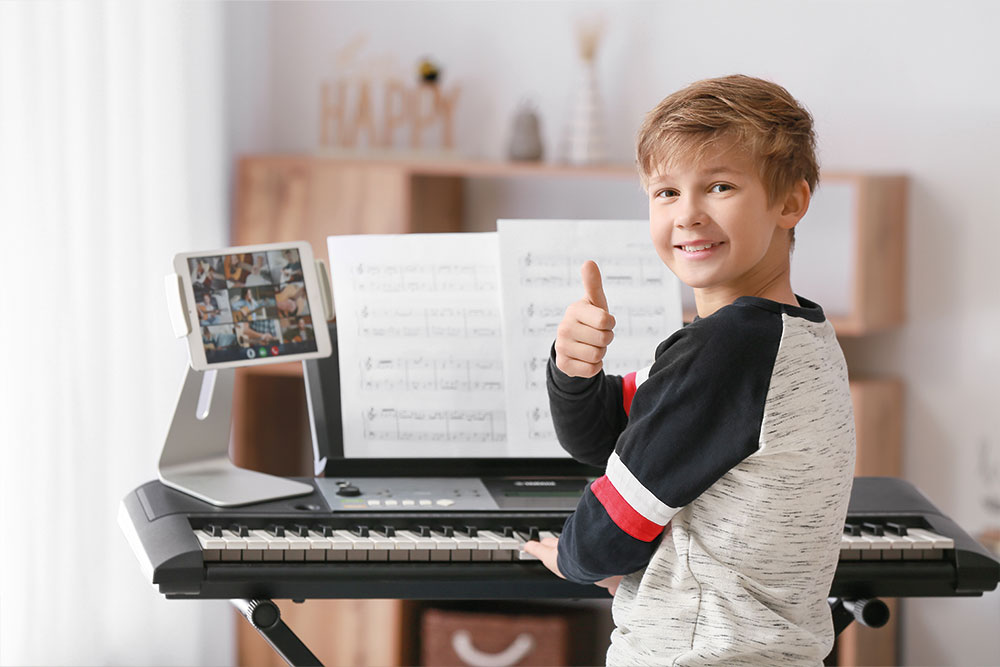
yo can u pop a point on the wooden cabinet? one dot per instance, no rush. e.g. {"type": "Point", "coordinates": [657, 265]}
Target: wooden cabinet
{"type": "Point", "coordinates": [858, 267]}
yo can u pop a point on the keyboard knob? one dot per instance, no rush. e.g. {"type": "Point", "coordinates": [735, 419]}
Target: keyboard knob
{"type": "Point", "coordinates": [349, 490]}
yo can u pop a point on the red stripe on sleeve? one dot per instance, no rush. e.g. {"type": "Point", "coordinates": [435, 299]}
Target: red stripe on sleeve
{"type": "Point", "coordinates": [628, 391]}
{"type": "Point", "coordinates": [622, 513]}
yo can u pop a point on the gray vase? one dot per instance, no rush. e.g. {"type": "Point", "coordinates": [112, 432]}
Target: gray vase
{"type": "Point", "coordinates": [526, 136]}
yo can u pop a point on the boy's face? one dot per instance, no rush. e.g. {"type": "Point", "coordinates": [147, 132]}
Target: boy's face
{"type": "Point", "coordinates": [712, 226]}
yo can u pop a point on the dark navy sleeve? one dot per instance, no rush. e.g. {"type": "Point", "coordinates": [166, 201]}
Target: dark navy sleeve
{"type": "Point", "coordinates": [697, 415]}
{"type": "Point", "coordinates": [587, 413]}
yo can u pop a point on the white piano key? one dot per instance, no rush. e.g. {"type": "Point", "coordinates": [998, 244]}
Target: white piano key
{"type": "Point", "coordinates": [318, 546]}
{"type": "Point", "coordinates": [421, 549]}
{"type": "Point", "coordinates": [877, 543]}
{"type": "Point", "coordinates": [507, 547]}
{"type": "Point", "coordinates": [235, 546]}
{"type": "Point", "coordinates": [360, 546]}
{"type": "Point", "coordinates": [444, 547]}
{"type": "Point", "coordinates": [297, 546]}
{"type": "Point", "coordinates": [936, 541]}
{"type": "Point", "coordinates": [852, 546]}
{"type": "Point", "coordinates": [255, 543]}
{"type": "Point", "coordinates": [276, 546]}
{"type": "Point", "coordinates": [211, 547]}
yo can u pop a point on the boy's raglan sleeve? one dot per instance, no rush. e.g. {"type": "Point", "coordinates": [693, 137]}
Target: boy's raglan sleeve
{"type": "Point", "coordinates": [697, 415]}
{"type": "Point", "coordinates": [588, 413]}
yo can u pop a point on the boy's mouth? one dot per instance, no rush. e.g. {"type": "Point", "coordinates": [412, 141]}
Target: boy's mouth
{"type": "Point", "coordinates": [698, 246]}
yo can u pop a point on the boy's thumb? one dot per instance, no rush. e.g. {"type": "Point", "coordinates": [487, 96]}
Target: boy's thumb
{"type": "Point", "coordinates": [592, 285]}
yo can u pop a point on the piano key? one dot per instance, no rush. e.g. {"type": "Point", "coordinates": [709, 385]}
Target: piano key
{"type": "Point", "coordinates": [255, 546]}
{"type": "Point", "coordinates": [878, 544]}
{"type": "Point", "coordinates": [276, 546]}
{"type": "Point", "coordinates": [339, 546]}
{"type": "Point", "coordinates": [896, 528]}
{"type": "Point", "coordinates": [421, 546]}
{"type": "Point", "coordinates": [936, 541]}
{"type": "Point", "coordinates": [360, 546]}
{"type": "Point", "coordinates": [318, 546]}
{"type": "Point", "coordinates": [211, 547]}
{"type": "Point", "coordinates": [507, 547]}
{"type": "Point", "coordinates": [444, 547]}
{"type": "Point", "coordinates": [852, 546]}
{"type": "Point", "coordinates": [381, 544]}
{"type": "Point", "coordinates": [235, 546]}
{"type": "Point", "coordinates": [297, 546]}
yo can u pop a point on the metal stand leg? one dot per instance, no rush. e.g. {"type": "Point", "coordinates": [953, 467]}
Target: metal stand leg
{"type": "Point", "coordinates": [265, 617]}
{"type": "Point", "coordinates": [872, 613]}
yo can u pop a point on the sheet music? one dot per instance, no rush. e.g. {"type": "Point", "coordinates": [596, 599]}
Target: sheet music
{"type": "Point", "coordinates": [419, 331]}
{"type": "Point", "coordinates": [540, 276]}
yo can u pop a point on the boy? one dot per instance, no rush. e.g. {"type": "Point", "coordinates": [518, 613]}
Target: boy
{"type": "Point", "coordinates": [729, 461]}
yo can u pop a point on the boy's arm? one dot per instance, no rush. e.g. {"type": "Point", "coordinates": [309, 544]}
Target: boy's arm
{"type": "Point", "coordinates": [697, 416]}
{"type": "Point", "coordinates": [585, 404]}
{"type": "Point", "coordinates": [588, 413]}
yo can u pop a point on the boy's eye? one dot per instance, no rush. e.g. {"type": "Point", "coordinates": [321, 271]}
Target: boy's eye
{"type": "Point", "coordinates": [720, 187]}
{"type": "Point", "coordinates": [667, 193]}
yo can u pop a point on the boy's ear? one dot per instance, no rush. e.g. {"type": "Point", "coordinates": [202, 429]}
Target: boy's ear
{"type": "Point", "coordinates": [795, 205]}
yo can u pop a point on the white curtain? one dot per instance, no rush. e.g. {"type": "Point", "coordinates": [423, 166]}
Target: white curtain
{"type": "Point", "coordinates": [112, 158]}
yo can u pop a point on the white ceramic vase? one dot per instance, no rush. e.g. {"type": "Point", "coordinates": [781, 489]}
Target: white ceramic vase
{"type": "Point", "coordinates": [585, 133]}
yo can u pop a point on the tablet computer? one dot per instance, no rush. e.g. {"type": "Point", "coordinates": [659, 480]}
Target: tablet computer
{"type": "Point", "coordinates": [252, 305]}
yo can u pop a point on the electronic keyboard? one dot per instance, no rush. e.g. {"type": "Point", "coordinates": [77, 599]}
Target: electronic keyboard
{"type": "Point", "coordinates": [462, 538]}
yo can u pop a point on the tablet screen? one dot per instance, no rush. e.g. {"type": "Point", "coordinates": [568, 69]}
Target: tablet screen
{"type": "Point", "coordinates": [252, 305]}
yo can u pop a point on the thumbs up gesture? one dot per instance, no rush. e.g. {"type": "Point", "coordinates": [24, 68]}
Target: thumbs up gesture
{"type": "Point", "coordinates": [586, 329]}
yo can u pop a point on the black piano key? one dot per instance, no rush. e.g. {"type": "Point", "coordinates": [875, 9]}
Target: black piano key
{"type": "Point", "coordinates": [240, 530]}
{"type": "Point", "coordinates": [361, 531]}
{"type": "Point", "coordinates": [447, 531]}
{"type": "Point", "coordinates": [389, 531]}
{"type": "Point", "coordinates": [896, 528]}
{"type": "Point", "coordinates": [852, 529]}
{"type": "Point", "coordinates": [276, 530]}
{"type": "Point", "coordinates": [874, 528]}
{"type": "Point", "coordinates": [533, 533]}
{"type": "Point", "coordinates": [508, 531]}
{"type": "Point", "coordinates": [326, 531]}
{"type": "Point", "coordinates": [301, 530]}
{"type": "Point", "coordinates": [214, 530]}
{"type": "Point", "coordinates": [471, 531]}
{"type": "Point", "coordinates": [423, 531]}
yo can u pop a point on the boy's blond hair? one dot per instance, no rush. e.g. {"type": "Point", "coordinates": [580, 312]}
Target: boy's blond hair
{"type": "Point", "coordinates": [756, 116]}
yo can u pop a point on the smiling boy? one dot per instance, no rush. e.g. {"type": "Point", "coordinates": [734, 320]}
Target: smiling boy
{"type": "Point", "coordinates": [729, 461]}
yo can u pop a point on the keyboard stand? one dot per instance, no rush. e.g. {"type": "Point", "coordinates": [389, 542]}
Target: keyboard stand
{"type": "Point", "coordinates": [872, 613]}
{"type": "Point", "coordinates": [265, 617]}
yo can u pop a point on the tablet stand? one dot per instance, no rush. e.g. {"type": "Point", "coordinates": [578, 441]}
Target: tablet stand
{"type": "Point", "coordinates": [195, 458]}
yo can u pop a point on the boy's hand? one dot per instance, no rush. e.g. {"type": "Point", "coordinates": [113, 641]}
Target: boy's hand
{"type": "Point", "coordinates": [586, 329]}
{"type": "Point", "coordinates": [547, 551]}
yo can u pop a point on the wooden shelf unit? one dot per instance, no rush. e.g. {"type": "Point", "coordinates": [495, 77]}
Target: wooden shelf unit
{"type": "Point", "coordinates": [289, 197]}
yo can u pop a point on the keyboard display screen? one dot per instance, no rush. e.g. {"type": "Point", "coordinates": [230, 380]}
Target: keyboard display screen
{"type": "Point", "coordinates": [252, 305]}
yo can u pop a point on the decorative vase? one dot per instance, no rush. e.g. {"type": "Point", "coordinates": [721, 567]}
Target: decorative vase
{"type": "Point", "coordinates": [526, 136]}
{"type": "Point", "coordinates": [585, 134]}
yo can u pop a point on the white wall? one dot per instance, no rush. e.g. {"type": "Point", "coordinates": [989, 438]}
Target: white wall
{"type": "Point", "coordinates": [897, 86]}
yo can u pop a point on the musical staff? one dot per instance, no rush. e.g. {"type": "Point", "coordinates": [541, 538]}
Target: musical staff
{"type": "Point", "coordinates": [369, 277]}
{"type": "Point", "coordinates": [434, 425]}
{"type": "Point", "coordinates": [428, 322]}
{"type": "Point", "coordinates": [429, 374]}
